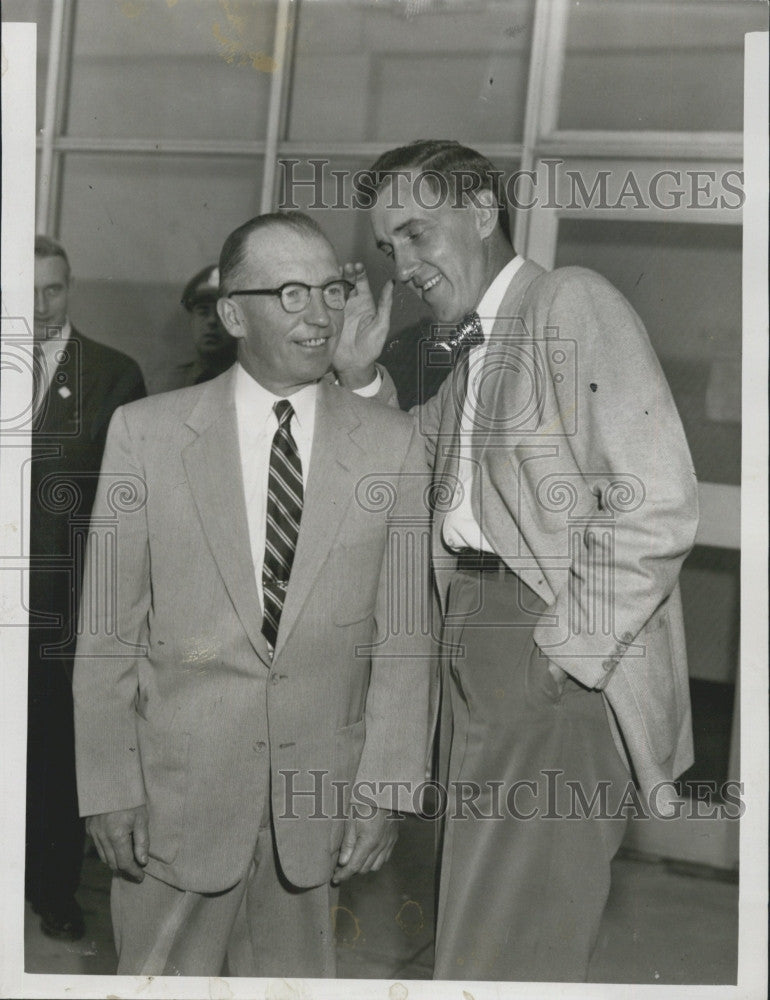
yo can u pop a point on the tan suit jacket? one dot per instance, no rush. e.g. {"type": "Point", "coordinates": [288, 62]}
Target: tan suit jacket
{"type": "Point", "coordinates": [584, 485]}
{"type": "Point", "coordinates": [178, 703]}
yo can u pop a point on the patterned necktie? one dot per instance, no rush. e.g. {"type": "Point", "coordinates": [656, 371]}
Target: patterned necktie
{"type": "Point", "coordinates": [468, 333]}
{"type": "Point", "coordinates": [284, 510]}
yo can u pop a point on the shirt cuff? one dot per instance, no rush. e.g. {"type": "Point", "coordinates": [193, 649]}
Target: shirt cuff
{"type": "Point", "coordinates": [372, 389]}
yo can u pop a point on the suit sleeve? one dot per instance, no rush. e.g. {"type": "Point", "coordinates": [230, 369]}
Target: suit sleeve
{"type": "Point", "coordinates": [400, 703]}
{"type": "Point", "coordinates": [629, 448]}
{"type": "Point", "coordinates": [113, 626]}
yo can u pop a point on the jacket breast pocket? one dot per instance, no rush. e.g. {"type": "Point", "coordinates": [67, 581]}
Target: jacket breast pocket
{"type": "Point", "coordinates": [165, 769]}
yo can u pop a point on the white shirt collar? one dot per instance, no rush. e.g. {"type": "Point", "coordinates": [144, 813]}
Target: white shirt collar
{"type": "Point", "coordinates": [254, 403]}
{"type": "Point", "coordinates": [491, 299]}
{"type": "Point", "coordinates": [51, 344]}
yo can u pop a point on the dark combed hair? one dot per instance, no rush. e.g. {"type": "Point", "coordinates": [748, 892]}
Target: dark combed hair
{"type": "Point", "coordinates": [233, 253]}
{"type": "Point", "coordinates": [452, 161]}
{"type": "Point", "coordinates": [46, 246]}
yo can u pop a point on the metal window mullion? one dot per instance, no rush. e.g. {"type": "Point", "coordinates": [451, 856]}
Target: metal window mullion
{"type": "Point", "coordinates": [541, 110]}
{"type": "Point", "coordinates": [60, 112]}
{"type": "Point", "coordinates": [169, 147]}
{"type": "Point", "coordinates": [42, 217]}
{"type": "Point", "coordinates": [277, 83]}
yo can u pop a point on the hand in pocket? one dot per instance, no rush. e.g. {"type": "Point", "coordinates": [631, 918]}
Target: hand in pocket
{"type": "Point", "coordinates": [545, 676]}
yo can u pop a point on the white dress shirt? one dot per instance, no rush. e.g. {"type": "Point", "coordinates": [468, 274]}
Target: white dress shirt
{"type": "Point", "coordinates": [460, 528]}
{"type": "Point", "coordinates": [257, 424]}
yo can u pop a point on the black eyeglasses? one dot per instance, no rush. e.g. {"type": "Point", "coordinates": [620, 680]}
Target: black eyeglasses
{"type": "Point", "coordinates": [295, 295]}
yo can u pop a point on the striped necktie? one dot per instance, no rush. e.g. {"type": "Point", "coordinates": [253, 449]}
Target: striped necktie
{"type": "Point", "coordinates": [284, 510]}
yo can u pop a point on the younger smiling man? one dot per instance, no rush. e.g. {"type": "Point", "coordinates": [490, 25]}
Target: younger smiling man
{"type": "Point", "coordinates": [569, 505]}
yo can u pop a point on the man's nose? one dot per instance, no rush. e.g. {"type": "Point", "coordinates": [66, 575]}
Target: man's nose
{"type": "Point", "coordinates": [40, 301]}
{"type": "Point", "coordinates": [405, 264]}
{"type": "Point", "coordinates": [317, 312]}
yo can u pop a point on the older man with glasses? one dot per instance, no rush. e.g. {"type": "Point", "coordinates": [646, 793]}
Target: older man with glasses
{"type": "Point", "coordinates": [253, 683]}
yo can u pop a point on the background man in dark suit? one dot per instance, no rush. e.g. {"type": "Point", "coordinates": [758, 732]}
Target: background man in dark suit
{"type": "Point", "coordinates": [78, 384]}
{"type": "Point", "coordinates": [566, 504]}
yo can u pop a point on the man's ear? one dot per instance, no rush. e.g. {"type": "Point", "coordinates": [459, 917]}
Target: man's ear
{"type": "Point", "coordinates": [230, 315]}
{"type": "Point", "coordinates": [487, 212]}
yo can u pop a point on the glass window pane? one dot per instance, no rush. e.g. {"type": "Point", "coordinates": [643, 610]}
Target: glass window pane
{"type": "Point", "coordinates": [685, 283]}
{"type": "Point", "coordinates": [195, 70]}
{"type": "Point", "coordinates": [658, 64]}
{"type": "Point", "coordinates": [38, 11]}
{"type": "Point", "coordinates": [137, 229]}
{"type": "Point", "coordinates": [403, 71]}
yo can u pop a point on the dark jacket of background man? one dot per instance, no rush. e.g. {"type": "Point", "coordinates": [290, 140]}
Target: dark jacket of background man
{"type": "Point", "coordinates": [88, 381]}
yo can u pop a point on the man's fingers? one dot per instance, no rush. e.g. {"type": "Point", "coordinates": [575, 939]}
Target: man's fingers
{"type": "Point", "coordinates": [360, 279]}
{"type": "Point", "coordinates": [382, 857]}
{"type": "Point", "coordinates": [385, 305]}
{"type": "Point", "coordinates": [124, 854]}
{"type": "Point", "coordinates": [108, 854]}
{"type": "Point", "coordinates": [142, 837]}
{"type": "Point", "coordinates": [351, 854]}
{"type": "Point", "coordinates": [348, 843]}
{"type": "Point", "coordinates": [99, 846]}
{"type": "Point", "coordinates": [357, 858]}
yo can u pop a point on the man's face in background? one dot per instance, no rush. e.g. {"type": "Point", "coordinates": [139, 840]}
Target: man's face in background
{"type": "Point", "coordinates": [52, 285]}
{"type": "Point", "coordinates": [209, 337]}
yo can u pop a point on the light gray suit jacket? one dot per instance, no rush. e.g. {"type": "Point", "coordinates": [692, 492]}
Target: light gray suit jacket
{"type": "Point", "coordinates": [178, 703]}
{"type": "Point", "coordinates": [584, 485]}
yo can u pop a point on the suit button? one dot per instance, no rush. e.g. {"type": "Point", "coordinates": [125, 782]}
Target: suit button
{"type": "Point", "coordinates": [627, 637]}
{"type": "Point", "coordinates": [607, 665]}
{"type": "Point", "coordinates": [260, 746]}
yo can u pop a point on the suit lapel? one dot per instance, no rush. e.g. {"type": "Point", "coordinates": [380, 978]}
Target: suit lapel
{"type": "Point", "coordinates": [509, 351]}
{"type": "Point", "coordinates": [447, 455]}
{"type": "Point", "coordinates": [515, 370]}
{"type": "Point", "coordinates": [213, 465]}
{"type": "Point", "coordinates": [61, 408]}
{"type": "Point", "coordinates": [445, 477]}
{"type": "Point", "coordinates": [329, 490]}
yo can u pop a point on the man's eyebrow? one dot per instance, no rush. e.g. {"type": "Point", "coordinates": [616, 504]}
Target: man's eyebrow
{"type": "Point", "coordinates": [400, 228]}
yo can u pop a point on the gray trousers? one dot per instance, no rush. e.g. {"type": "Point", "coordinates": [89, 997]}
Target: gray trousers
{"type": "Point", "coordinates": [263, 925]}
{"type": "Point", "coordinates": [523, 883]}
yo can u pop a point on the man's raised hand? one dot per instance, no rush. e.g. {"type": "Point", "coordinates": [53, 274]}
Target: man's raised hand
{"type": "Point", "coordinates": [365, 329]}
